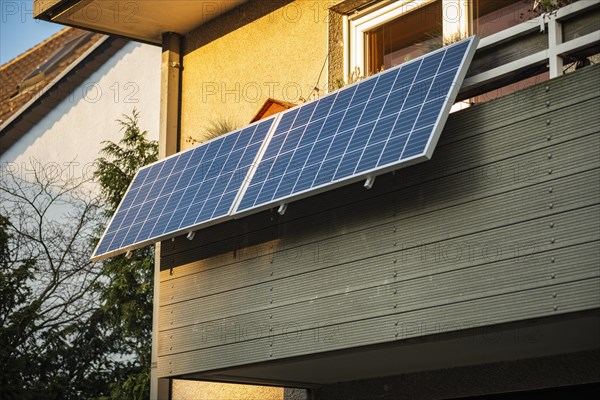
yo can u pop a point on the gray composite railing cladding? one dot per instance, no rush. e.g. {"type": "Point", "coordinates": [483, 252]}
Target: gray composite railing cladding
{"type": "Point", "coordinates": [501, 225]}
{"type": "Point", "coordinates": [549, 43]}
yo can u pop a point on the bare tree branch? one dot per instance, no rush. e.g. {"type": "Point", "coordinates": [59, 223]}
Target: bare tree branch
{"type": "Point", "coordinates": [52, 218]}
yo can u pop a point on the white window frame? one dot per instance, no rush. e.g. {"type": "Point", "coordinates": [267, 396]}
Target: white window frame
{"type": "Point", "coordinates": [456, 16]}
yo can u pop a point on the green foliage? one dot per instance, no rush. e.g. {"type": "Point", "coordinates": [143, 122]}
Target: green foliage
{"type": "Point", "coordinates": [353, 77]}
{"type": "Point", "coordinates": [550, 5]}
{"type": "Point", "coordinates": [124, 159]}
{"type": "Point", "coordinates": [135, 387]}
{"type": "Point", "coordinates": [127, 308]}
{"type": "Point", "coordinates": [16, 320]}
{"type": "Point", "coordinates": [127, 292]}
{"type": "Point", "coordinates": [219, 126]}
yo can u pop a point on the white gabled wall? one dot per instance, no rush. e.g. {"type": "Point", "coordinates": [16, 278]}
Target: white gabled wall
{"type": "Point", "coordinates": [74, 130]}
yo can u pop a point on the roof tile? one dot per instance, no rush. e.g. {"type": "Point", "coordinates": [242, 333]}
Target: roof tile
{"type": "Point", "coordinates": [16, 91]}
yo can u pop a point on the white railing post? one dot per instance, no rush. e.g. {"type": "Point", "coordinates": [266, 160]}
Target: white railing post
{"type": "Point", "coordinates": [557, 50]}
{"type": "Point", "coordinates": [554, 42]}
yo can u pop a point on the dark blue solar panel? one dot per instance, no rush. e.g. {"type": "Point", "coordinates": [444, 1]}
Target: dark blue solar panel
{"type": "Point", "coordinates": [184, 191]}
{"type": "Point", "coordinates": [365, 129]}
{"type": "Point", "coordinates": [368, 128]}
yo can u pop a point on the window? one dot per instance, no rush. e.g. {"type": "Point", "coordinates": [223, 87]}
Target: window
{"type": "Point", "coordinates": [404, 38]}
{"type": "Point", "coordinates": [392, 32]}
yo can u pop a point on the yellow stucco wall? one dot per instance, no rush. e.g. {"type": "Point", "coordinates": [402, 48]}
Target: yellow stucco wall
{"type": "Point", "coordinates": [192, 390]}
{"type": "Point", "coordinates": [262, 49]}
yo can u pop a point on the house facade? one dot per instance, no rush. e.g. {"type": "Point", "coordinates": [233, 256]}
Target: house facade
{"type": "Point", "coordinates": [472, 274]}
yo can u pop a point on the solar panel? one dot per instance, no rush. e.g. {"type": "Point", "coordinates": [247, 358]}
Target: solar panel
{"type": "Point", "coordinates": [391, 119]}
{"type": "Point", "coordinates": [369, 128]}
{"type": "Point", "coordinates": [187, 190]}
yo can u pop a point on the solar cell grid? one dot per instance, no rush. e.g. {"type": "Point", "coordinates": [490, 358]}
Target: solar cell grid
{"type": "Point", "coordinates": [195, 186]}
{"type": "Point", "coordinates": [379, 122]}
{"type": "Point", "coordinates": [362, 130]}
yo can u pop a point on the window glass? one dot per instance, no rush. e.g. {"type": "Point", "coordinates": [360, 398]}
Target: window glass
{"type": "Point", "coordinates": [404, 38]}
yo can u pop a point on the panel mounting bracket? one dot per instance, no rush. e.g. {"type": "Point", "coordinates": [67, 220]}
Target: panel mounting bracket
{"type": "Point", "coordinates": [369, 182]}
{"type": "Point", "coordinates": [190, 236]}
{"type": "Point", "coordinates": [129, 254]}
{"type": "Point", "coordinates": [282, 209]}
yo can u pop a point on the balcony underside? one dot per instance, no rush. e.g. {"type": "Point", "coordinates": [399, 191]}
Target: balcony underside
{"type": "Point", "coordinates": [144, 21]}
{"type": "Point", "coordinates": [543, 337]}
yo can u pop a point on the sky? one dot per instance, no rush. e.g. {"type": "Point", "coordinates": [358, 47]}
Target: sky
{"type": "Point", "coordinates": [19, 31]}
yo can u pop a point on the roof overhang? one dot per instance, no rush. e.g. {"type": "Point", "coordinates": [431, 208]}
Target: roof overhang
{"type": "Point", "coordinates": [140, 20]}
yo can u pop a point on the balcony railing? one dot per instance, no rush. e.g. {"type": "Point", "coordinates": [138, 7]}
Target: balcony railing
{"type": "Point", "coordinates": [547, 43]}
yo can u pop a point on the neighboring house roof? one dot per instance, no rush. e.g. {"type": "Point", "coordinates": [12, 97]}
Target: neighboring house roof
{"type": "Point", "coordinates": [271, 107]}
{"type": "Point", "coordinates": [33, 83]}
{"type": "Point", "coordinates": [27, 74]}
